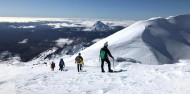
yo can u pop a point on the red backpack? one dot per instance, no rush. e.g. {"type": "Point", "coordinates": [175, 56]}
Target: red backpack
{"type": "Point", "coordinates": [52, 65]}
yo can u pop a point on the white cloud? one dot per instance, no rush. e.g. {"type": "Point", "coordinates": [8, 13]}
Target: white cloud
{"type": "Point", "coordinates": [26, 26]}
{"type": "Point", "coordinates": [95, 40]}
{"type": "Point", "coordinates": [33, 19]}
{"type": "Point", "coordinates": [61, 42]}
{"type": "Point", "coordinates": [12, 26]}
{"type": "Point", "coordinates": [24, 41]}
{"type": "Point", "coordinates": [60, 25]}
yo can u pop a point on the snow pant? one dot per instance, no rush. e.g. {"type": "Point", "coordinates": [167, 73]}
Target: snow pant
{"type": "Point", "coordinates": [79, 67]}
{"type": "Point", "coordinates": [61, 68]}
{"type": "Point", "coordinates": [102, 64]}
{"type": "Point", "coordinates": [52, 68]}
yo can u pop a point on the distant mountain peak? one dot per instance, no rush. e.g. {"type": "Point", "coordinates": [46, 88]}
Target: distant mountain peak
{"type": "Point", "coordinates": [99, 23]}
{"type": "Point", "coordinates": [100, 26]}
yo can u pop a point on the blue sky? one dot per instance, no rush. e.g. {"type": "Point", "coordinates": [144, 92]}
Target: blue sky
{"type": "Point", "coordinates": [101, 9]}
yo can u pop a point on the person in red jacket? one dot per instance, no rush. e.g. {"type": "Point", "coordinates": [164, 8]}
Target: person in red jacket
{"type": "Point", "coordinates": [52, 66]}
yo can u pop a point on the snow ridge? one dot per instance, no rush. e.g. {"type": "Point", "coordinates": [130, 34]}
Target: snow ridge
{"type": "Point", "coordinates": [153, 41]}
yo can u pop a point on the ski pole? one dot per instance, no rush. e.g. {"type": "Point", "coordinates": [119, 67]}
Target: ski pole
{"type": "Point", "coordinates": [113, 65]}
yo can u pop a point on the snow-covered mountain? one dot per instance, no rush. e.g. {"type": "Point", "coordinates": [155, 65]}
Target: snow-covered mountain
{"type": "Point", "coordinates": [153, 41]}
{"type": "Point", "coordinates": [99, 26]}
{"type": "Point", "coordinates": [149, 41]}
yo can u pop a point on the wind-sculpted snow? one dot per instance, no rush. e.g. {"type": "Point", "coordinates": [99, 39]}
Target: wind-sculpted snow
{"type": "Point", "coordinates": [169, 38]}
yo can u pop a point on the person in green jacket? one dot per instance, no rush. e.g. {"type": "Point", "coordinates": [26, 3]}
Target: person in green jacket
{"type": "Point", "coordinates": [104, 52]}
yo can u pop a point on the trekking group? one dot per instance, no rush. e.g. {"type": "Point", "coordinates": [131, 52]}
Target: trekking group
{"type": "Point", "coordinates": [104, 53]}
{"type": "Point", "coordinates": [61, 65]}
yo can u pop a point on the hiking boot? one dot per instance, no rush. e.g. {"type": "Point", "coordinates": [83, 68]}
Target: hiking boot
{"type": "Point", "coordinates": [103, 71]}
{"type": "Point", "coordinates": [110, 71]}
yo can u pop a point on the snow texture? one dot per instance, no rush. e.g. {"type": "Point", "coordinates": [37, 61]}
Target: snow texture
{"type": "Point", "coordinates": [134, 79]}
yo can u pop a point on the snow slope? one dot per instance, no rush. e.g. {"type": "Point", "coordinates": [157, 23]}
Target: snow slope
{"type": "Point", "coordinates": [153, 41]}
{"type": "Point", "coordinates": [125, 43]}
{"type": "Point", "coordinates": [135, 79]}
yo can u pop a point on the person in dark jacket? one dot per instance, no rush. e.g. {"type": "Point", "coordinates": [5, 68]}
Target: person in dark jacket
{"type": "Point", "coordinates": [52, 66]}
{"type": "Point", "coordinates": [79, 61]}
{"type": "Point", "coordinates": [104, 57]}
{"type": "Point", "coordinates": [61, 65]}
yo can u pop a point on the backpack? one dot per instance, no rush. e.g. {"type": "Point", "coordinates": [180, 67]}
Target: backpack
{"type": "Point", "coordinates": [52, 65]}
{"type": "Point", "coordinates": [78, 59]}
{"type": "Point", "coordinates": [102, 54]}
{"type": "Point", "coordinates": [61, 63]}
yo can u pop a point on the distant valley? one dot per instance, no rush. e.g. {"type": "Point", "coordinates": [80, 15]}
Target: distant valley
{"type": "Point", "coordinates": [27, 40]}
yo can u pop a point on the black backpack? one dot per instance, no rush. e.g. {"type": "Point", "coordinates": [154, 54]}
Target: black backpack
{"type": "Point", "coordinates": [78, 59]}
